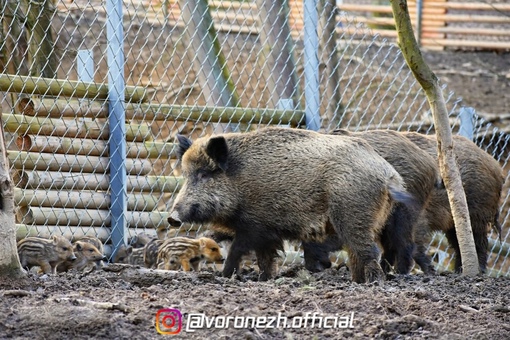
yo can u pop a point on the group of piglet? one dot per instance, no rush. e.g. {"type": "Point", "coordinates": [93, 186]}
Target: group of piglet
{"type": "Point", "coordinates": [58, 254]}
{"type": "Point", "coordinates": [377, 194]}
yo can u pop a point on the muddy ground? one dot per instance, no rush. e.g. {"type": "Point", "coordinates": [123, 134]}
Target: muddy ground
{"type": "Point", "coordinates": [122, 304]}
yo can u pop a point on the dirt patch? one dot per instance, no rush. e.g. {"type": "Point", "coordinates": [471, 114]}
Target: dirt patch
{"type": "Point", "coordinates": [118, 304]}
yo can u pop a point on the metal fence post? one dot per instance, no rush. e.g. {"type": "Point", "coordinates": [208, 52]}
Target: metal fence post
{"type": "Point", "coordinates": [311, 60]}
{"type": "Point", "coordinates": [466, 116]}
{"type": "Point", "coordinates": [116, 117]}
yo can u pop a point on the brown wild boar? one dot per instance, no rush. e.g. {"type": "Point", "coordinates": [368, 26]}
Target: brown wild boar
{"type": "Point", "coordinates": [482, 179]}
{"type": "Point", "coordinates": [96, 242]}
{"type": "Point", "coordinates": [421, 176]}
{"type": "Point", "coordinates": [279, 184]}
{"type": "Point", "coordinates": [87, 255]}
{"type": "Point", "coordinates": [45, 253]}
{"type": "Point", "coordinates": [187, 253]}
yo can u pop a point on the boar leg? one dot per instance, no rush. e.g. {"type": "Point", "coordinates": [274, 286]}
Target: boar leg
{"type": "Point", "coordinates": [195, 264]}
{"type": "Point", "coordinates": [363, 262]}
{"type": "Point", "coordinates": [265, 261]}
{"type": "Point", "coordinates": [482, 246]}
{"type": "Point", "coordinates": [186, 266]}
{"type": "Point", "coordinates": [316, 256]}
{"type": "Point", "coordinates": [398, 241]}
{"type": "Point", "coordinates": [451, 236]}
{"type": "Point", "coordinates": [46, 268]}
{"type": "Point", "coordinates": [423, 260]}
{"type": "Point", "coordinates": [240, 246]}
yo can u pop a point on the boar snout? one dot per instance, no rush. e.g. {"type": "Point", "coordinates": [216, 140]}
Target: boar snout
{"type": "Point", "coordinates": [174, 219]}
{"type": "Point", "coordinates": [72, 257]}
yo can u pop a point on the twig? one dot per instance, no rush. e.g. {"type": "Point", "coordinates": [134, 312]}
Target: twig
{"type": "Point", "coordinates": [99, 305]}
{"type": "Point", "coordinates": [17, 293]}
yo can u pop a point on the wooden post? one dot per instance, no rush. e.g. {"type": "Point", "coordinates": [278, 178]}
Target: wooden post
{"type": "Point", "coordinates": [276, 59]}
{"type": "Point", "coordinates": [204, 50]}
{"type": "Point", "coordinates": [42, 57]}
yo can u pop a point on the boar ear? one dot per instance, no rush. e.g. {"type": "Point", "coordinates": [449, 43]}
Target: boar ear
{"type": "Point", "coordinates": [79, 246]}
{"type": "Point", "coordinates": [184, 144]}
{"type": "Point", "coordinates": [129, 250]}
{"type": "Point", "coordinates": [217, 149]}
{"type": "Point", "coordinates": [342, 132]}
{"type": "Point", "coordinates": [55, 239]}
{"type": "Point", "coordinates": [202, 242]}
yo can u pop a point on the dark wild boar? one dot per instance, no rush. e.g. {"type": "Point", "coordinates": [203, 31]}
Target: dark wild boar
{"type": "Point", "coordinates": [275, 184]}
{"type": "Point", "coordinates": [421, 176]}
{"type": "Point", "coordinates": [482, 179]}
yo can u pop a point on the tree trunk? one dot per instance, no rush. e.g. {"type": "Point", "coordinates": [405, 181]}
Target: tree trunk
{"type": "Point", "coordinates": [447, 164]}
{"type": "Point", "coordinates": [9, 260]}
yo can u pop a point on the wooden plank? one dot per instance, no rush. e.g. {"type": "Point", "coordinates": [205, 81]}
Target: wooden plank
{"type": "Point", "coordinates": [89, 147]}
{"type": "Point", "coordinates": [93, 218]}
{"type": "Point", "coordinates": [467, 43]}
{"type": "Point", "coordinates": [80, 199]}
{"type": "Point", "coordinates": [72, 232]}
{"type": "Point", "coordinates": [468, 31]}
{"type": "Point", "coordinates": [52, 180]}
{"type": "Point", "coordinates": [475, 6]}
{"type": "Point", "coordinates": [77, 128]}
{"type": "Point", "coordinates": [66, 163]}
{"type": "Point", "coordinates": [62, 87]}
{"type": "Point", "coordinates": [490, 19]}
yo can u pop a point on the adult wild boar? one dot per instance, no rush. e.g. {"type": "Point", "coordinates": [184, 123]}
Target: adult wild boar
{"type": "Point", "coordinates": [276, 184]}
{"type": "Point", "coordinates": [421, 176]}
{"type": "Point", "coordinates": [482, 179]}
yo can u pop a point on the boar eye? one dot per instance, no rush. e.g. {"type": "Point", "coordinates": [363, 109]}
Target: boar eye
{"type": "Point", "coordinates": [65, 248]}
{"type": "Point", "coordinates": [214, 249]}
{"type": "Point", "coordinates": [203, 175]}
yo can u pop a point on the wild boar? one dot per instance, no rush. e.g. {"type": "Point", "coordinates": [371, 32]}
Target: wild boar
{"type": "Point", "coordinates": [279, 184]}
{"type": "Point", "coordinates": [129, 255]}
{"type": "Point", "coordinates": [86, 254]}
{"type": "Point", "coordinates": [96, 242]}
{"type": "Point", "coordinates": [482, 179]}
{"type": "Point", "coordinates": [421, 175]}
{"type": "Point", "coordinates": [140, 240]}
{"type": "Point", "coordinates": [187, 253]}
{"type": "Point", "coordinates": [150, 253]}
{"type": "Point", "coordinates": [45, 253]}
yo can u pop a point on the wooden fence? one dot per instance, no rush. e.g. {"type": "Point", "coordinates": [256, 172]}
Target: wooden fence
{"type": "Point", "coordinates": [61, 165]}
{"type": "Point", "coordinates": [441, 24]}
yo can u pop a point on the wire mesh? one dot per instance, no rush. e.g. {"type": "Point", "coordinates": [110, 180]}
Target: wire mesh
{"type": "Point", "coordinates": [192, 67]}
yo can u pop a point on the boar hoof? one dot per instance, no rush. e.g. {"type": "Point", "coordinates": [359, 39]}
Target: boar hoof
{"type": "Point", "coordinates": [264, 276]}
{"type": "Point", "coordinates": [374, 273]}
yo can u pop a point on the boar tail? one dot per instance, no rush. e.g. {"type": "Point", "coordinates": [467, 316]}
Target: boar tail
{"type": "Point", "coordinates": [497, 226]}
{"type": "Point", "coordinates": [400, 195]}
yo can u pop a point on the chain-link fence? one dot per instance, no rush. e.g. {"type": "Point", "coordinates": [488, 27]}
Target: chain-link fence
{"type": "Point", "coordinates": [186, 68]}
